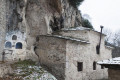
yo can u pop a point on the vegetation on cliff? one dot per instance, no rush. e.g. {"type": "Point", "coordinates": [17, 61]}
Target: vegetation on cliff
{"type": "Point", "coordinates": [86, 23]}
{"type": "Point", "coordinates": [75, 3]}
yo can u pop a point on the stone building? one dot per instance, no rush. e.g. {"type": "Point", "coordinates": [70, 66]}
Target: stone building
{"type": "Point", "coordinates": [71, 54]}
{"type": "Point", "coordinates": [113, 66]}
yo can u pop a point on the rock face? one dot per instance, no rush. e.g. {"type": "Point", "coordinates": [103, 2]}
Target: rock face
{"type": "Point", "coordinates": [2, 24]}
{"type": "Point", "coordinates": [40, 17]}
{"type": "Point", "coordinates": [36, 17]}
{"type": "Point", "coordinates": [46, 16]}
{"type": "Point", "coordinates": [5, 68]}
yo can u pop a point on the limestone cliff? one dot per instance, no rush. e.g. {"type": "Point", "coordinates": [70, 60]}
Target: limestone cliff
{"type": "Point", "coordinates": [40, 17]}
{"type": "Point", "coordinates": [37, 17]}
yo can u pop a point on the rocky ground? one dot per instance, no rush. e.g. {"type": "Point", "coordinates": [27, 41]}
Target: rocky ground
{"type": "Point", "coordinates": [27, 70]}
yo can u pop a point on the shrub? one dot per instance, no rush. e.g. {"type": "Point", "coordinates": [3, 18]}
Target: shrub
{"type": "Point", "coordinates": [86, 23]}
{"type": "Point", "coordinates": [75, 3]}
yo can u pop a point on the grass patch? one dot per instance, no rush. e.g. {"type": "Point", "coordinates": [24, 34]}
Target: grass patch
{"type": "Point", "coordinates": [25, 68]}
{"type": "Point", "coordinates": [23, 64]}
{"type": "Point", "coordinates": [29, 70]}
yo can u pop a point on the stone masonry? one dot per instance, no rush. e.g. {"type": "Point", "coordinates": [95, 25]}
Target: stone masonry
{"type": "Point", "coordinates": [61, 53]}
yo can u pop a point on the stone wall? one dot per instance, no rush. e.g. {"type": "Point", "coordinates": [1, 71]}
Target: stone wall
{"type": "Point", "coordinates": [2, 24]}
{"type": "Point", "coordinates": [86, 53]}
{"type": "Point", "coordinates": [17, 47]}
{"type": "Point", "coordinates": [11, 52]}
{"type": "Point", "coordinates": [114, 74]}
{"type": "Point", "coordinates": [105, 52]}
{"type": "Point", "coordinates": [52, 52]}
{"type": "Point", "coordinates": [77, 52]}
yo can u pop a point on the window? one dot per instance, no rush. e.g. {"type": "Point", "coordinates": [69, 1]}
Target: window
{"type": "Point", "coordinates": [14, 37]}
{"type": "Point", "coordinates": [94, 65]}
{"type": "Point", "coordinates": [80, 66]}
{"type": "Point", "coordinates": [102, 67]}
{"type": "Point", "coordinates": [19, 45]}
{"type": "Point", "coordinates": [8, 45]}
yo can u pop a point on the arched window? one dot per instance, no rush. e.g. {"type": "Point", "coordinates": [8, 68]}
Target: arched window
{"type": "Point", "coordinates": [19, 45]}
{"type": "Point", "coordinates": [8, 45]}
{"type": "Point", "coordinates": [14, 37]}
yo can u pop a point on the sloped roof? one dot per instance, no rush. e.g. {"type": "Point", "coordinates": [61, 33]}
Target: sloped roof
{"type": "Point", "coordinates": [68, 38]}
{"type": "Point", "coordinates": [76, 28]}
{"type": "Point", "coordinates": [113, 61]}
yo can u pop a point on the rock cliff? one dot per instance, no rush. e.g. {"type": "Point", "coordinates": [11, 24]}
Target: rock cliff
{"type": "Point", "coordinates": [40, 17]}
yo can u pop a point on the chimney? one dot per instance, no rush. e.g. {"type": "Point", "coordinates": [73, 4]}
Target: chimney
{"type": "Point", "coordinates": [100, 35]}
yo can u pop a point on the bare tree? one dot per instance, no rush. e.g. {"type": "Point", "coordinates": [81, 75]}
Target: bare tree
{"type": "Point", "coordinates": [109, 35]}
{"type": "Point", "coordinates": [116, 38]}
{"type": "Point", "coordinates": [116, 43]}
{"type": "Point", "coordinates": [113, 39]}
